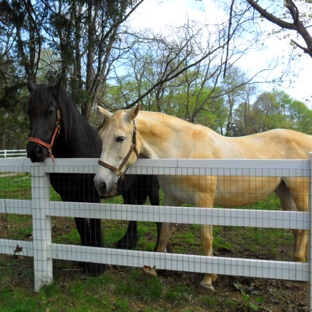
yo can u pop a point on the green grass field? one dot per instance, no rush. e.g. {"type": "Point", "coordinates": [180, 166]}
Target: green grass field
{"type": "Point", "coordinates": [124, 288]}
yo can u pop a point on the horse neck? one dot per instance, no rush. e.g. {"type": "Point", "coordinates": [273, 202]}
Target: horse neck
{"type": "Point", "coordinates": [158, 135]}
{"type": "Point", "coordinates": [60, 148]}
{"type": "Point", "coordinates": [80, 141]}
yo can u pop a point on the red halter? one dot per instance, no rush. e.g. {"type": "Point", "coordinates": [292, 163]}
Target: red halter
{"type": "Point", "coordinates": [54, 136]}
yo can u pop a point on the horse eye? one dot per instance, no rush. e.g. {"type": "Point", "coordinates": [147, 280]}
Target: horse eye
{"type": "Point", "coordinates": [51, 112]}
{"type": "Point", "coordinates": [120, 139]}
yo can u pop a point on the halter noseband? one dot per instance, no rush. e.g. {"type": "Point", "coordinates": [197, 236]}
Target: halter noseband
{"type": "Point", "coordinates": [55, 134]}
{"type": "Point", "coordinates": [133, 148]}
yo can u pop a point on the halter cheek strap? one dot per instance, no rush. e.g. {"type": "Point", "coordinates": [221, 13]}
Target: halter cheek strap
{"type": "Point", "coordinates": [54, 136]}
{"type": "Point", "coordinates": [132, 149]}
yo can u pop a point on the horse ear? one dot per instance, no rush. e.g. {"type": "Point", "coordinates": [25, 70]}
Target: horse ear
{"type": "Point", "coordinates": [57, 86]}
{"type": "Point", "coordinates": [105, 112]}
{"type": "Point", "coordinates": [133, 113]}
{"type": "Point", "coordinates": [30, 85]}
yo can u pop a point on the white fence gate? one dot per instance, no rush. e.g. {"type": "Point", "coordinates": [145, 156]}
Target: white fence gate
{"type": "Point", "coordinates": [41, 208]}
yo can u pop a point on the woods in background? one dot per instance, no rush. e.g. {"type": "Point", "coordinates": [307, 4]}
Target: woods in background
{"type": "Point", "coordinates": [190, 71]}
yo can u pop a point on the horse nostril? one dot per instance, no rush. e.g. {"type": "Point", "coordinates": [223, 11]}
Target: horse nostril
{"type": "Point", "coordinates": [103, 187]}
{"type": "Point", "coordinates": [38, 150]}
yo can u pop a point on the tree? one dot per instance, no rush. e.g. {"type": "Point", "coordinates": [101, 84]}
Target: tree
{"type": "Point", "coordinates": [156, 61]}
{"type": "Point", "coordinates": [292, 20]}
{"type": "Point", "coordinates": [242, 123]}
{"type": "Point", "coordinates": [13, 120]}
{"type": "Point", "coordinates": [83, 35]}
{"type": "Point", "coordinates": [188, 66]}
{"type": "Point", "coordinates": [272, 110]}
{"type": "Point", "coordinates": [13, 128]}
{"type": "Point", "coordinates": [87, 43]}
{"type": "Point", "coordinates": [237, 86]}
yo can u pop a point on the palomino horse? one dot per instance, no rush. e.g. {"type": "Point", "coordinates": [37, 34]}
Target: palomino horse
{"type": "Point", "coordinates": [161, 136]}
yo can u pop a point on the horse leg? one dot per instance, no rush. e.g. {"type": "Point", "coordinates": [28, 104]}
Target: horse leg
{"type": "Point", "coordinates": [206, 199]}
{"type": "Point", "coordinates": [165, 228]}
{"type": "Point", "coordinates": [91, 236]}
{"type": "Point", "coordinates": [83, 230]}
{"type": "Point", "coordinates": [288, 204]}
{"type": "Point", "coordinates": [168, 248]}
{"type": "Point", "coordinates": [131, 237]}
{"type": "Point", "coordinates": [206, 236]}
{"type": "Point", "coordinates": [96, 233]}
{"type": "Point", "coordinates": [90, 232]}
{"type": "Point", "coordinates": [298, 202]}
{"type": "Point", "coordinates": [153, 194]}
{"type": "Point", "coordinates": [137, 195]}
{"type": "Point", "coordinates": [145, 186]}
{"type": "Point", "coordinates": [96, 239]}
{"type": "Point", "coordinates": [165, 233]}
{"type": "Point", "coordinates": [302, 238]}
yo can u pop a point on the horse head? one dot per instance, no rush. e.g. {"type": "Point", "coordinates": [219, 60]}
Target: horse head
{"type": "Point", "coordinates": [44, 118]}
{"type": "Point", "coordinates": [119, 151]}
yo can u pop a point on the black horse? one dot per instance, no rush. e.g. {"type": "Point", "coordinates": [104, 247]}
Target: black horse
{"type": "Point", "coordinates": [57, 129]}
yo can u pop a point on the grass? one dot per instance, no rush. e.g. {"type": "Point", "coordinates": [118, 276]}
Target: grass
{"type": "Point", "coordinates": [124, 288]}
{"type": "Point", "coordinates": [109, 292]}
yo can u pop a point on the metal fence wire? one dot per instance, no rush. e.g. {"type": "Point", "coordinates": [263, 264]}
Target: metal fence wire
{"type": "Point", "coordinates": [40, 244]}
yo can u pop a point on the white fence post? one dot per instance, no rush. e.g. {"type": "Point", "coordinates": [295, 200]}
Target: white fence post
{"type": "Point", "coordinates": [42, 236]}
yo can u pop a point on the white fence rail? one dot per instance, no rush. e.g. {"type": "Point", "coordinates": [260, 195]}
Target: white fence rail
{"type": "Point", "coordinates": [41, 209]}
{"type": "Point", "coordinates": [12, 153]}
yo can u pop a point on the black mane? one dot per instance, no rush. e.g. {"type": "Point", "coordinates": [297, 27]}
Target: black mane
{"type": "Point", "coordinates": [80, 139]}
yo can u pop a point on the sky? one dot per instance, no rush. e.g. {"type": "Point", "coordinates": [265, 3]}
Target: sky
{"type": "Point", "coordinates": [157, 15]}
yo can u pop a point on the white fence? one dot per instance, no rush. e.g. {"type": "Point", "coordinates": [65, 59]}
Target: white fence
{"type": "Point", "coordinates": [41, 209]}
{"type": "Point", "coordinates": [12, 153]}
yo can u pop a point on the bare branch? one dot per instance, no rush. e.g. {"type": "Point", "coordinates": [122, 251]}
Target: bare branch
{"type": "Point", "coordinates": [297, 24]}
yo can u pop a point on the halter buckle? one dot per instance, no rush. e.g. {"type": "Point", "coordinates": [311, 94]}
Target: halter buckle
{"type": "Point", "coordinates": [118, 172]}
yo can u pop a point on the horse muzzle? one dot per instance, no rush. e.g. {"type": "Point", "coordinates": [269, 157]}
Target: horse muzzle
{"type": "Point", "coordinates": [36, 152]}
{"type": "Point", "coordinates": [105, 188]}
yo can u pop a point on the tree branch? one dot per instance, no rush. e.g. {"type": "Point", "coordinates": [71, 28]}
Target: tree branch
{"type": "Point", "coordinates": [270, 17]}
{"type": "Point", "coordinates": [297, 25]}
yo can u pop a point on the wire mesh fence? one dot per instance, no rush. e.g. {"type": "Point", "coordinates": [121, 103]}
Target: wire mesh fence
{"type": "Point", "coordinates": [254, 242]}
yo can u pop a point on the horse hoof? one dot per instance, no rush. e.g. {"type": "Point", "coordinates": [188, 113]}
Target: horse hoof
{"type": "Point", "coordinates": [205, 288]}
{"type": "Point", "coordinates": [298, 258]}
{"type": "Point", "coordinates": [148, 272]}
